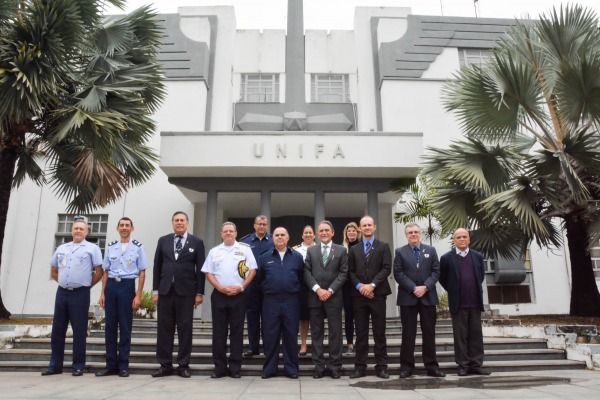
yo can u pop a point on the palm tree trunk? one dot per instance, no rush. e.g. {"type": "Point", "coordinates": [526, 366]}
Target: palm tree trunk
{"type": "Point", "coordinates": [8, 160]}
{"type": "Point", "coordinates": [585, 297]}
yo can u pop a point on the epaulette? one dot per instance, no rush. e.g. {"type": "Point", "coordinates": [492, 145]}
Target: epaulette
{"type": "Point", "coordinates": [244, 244]}
{"type": "Point", "coordinates": [297, 246]}
{"type": "Point", "coordinates": [138, 244]}
{"type": "Point", "coordinates": [111, 243]}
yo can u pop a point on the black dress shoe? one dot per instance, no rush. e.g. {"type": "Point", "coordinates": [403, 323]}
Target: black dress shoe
{"type": "Point", "coordinates": [382, 373]}
{"type": "Point", "coordinates": [335, 374]}
{"type": "Point", "coordinates": [302, 353]}
{"type": "Point", "coordinates": [235, 375]}
{"type": "Point", "coordinates": [216, 375]}
{"type": "Point", "coordinates": [405, 373]}
{"type": "Point", "coordinates": [318, 374]}
{"type": "Point", "coordinates": [293, 376]}
{"type": "Point", "coordinates": [184, 372]}
{"type": "Point", "coordinates": [479, 371]}
{"type": "Point", "coordinates": [123, 373]}
{"type": "Point", "coordinates": [358, 373]}
{"type": "Point", "coordinates": [77, 372]}
{"type": "Point", "coordinates": [266, 376]}
{"type": "Point", "coordinates": [163, 371]}
{"type": "Point", "coordinates": [462, 371]}
{"type": "Point", "coordinates": [436, 373]}
{"type": "Point", "coordinates": [250, 353]}
{"type": "Point", "coordinates": [106, 372]}
{"type": "Point", "coordinates": [50, 371]}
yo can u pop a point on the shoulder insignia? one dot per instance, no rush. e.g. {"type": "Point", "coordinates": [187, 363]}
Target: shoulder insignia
{"type": "Point", "coordinates": [111, 243]}
{"type": "Point", "coordinates": [246, 236]}
{"type": "Point", "coordinates": [244, 244]}
{"type": "Point", "coordinates": [138, 244]}
{"type": "Point", "coordinates": [297, 246]}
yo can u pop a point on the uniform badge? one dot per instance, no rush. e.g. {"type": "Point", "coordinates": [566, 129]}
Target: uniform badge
{"type": "Point", "coordinates": [243, 269]}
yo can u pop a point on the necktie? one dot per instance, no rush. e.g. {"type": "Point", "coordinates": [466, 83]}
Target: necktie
{"type": "Point", "coordinates": [417, 254]}
{"type": "Point", "coordinates": [325, 255]}
{"type": "Point", "coordinates": [178, 246]}
{"type": "Point", "coordinates": [367, 250]}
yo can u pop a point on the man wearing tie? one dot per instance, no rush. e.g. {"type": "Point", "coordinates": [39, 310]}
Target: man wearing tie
{"type": "Point", "coordinates": [325, 271]}
{"type": "Point", "coordinates": [417, 270]}
{"type": "Point", "coordinates": [369, 265]}
{"type": "Point", "coordinates": [461, 274]}
{"type": "Point", "coordinates": [178, 286]}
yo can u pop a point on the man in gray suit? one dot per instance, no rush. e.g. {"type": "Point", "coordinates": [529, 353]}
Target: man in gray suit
{"type": "Point", "coordinates": [325, 271]}
{"type": "Point", "coordinates": [417, 270]}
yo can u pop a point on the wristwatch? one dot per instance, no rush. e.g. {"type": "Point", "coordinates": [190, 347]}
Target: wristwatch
{"type": "Point", "coordinates": [373, 285]}
{"type": "Point", "coordinates": [241, 288]}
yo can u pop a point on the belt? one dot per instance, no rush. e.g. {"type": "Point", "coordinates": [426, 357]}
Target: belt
{"type": "Point", "coordinates": [118, 279]}
{"type": "Point", "coordinates": [74, 289]}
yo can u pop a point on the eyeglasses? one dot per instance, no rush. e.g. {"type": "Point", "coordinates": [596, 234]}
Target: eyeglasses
{"type": "Point", "coordinates": [263, 224]}
{"type": "Point", "coordinates": [413, 232]}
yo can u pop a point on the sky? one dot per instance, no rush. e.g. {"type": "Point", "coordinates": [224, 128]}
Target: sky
{"type": "Point", "coordinates": [339, 14]}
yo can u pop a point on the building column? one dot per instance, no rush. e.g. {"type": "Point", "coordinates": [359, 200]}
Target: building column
{"type": "Point", "coordinates": [319, 207]}
{"type": "Point", "coordinates": [373, 206]}
{"type": "Point", "coordinates": [209, 242]}
{"type": "Point", "coordinates": [265, 205]}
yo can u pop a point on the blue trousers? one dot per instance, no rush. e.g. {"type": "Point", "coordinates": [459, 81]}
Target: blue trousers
{"type": "Point", "coordinates": [118, 302]}
{"type": "Point", "coordinates": [254, 301]}
{"type": "Point", "coordinates": [281, 320]}
{"type": "Point", "coordinates": [69, 306]}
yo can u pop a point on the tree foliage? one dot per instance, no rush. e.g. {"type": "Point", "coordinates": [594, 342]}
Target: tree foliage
{"type": "Point", "coordinates": [531, 153]}
{"type": "Point", "coordinates": [77, 91]}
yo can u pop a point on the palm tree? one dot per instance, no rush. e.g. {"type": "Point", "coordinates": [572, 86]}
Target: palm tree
{"type": "Point", "coordinates": [418, 207]}
{"type": "Point", "coordinates": [531, 156]}
{"type": "Point", "coordinates": [76, 94]}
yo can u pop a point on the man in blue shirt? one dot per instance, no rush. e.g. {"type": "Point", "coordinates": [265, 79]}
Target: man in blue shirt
{"type": "Point", "coordinates": [280, 272]}
{"type": "Point", "coordinates": [76, 266]}
{"type": "Point", "coordinates": [260, 242]}
{"type": "Point", "coordinates": [125, 260]}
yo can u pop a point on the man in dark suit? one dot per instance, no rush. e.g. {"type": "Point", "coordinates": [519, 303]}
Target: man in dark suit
{"type": "Point", "coordinates": [461, 274]}
{"type": "Point", "coordinates": [369, 265]}
{"type": "Point", "coordinates": [325, 271]}
{"type": "Point", "coordinates": [178, 286]}
{"type": "Point", "coordinates": [417, 270]}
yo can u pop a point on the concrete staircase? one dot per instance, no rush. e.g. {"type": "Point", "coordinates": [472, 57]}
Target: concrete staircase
{"type": "Point", "coordinates": [501, 354]}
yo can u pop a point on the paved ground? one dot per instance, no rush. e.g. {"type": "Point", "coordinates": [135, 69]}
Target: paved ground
{"type": "Point", "coordinates": [579, 384]}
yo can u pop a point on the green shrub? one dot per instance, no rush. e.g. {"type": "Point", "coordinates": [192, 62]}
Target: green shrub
{"type": "Point", "coordinates": [148, 301]}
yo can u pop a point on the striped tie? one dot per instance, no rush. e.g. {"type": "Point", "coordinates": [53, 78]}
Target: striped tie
{"type": "Point", "coordinates": [367, 250]}
{"type": "Point", "coordinates": [325, 255]}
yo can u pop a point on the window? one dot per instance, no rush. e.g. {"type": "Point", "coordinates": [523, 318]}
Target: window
{"type": "Point", "coordinates": [97, 225]}
{"type": "Point", "coordinates": [474, 56]}
{"type": "Point", "coordinates": [596, 259]}
{"type": "Point", "coordinates": [329, 89]}
{"type": "Point", "coordinates": [259, 88]}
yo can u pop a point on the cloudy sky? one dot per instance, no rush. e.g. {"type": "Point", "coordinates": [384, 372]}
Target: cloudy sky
{"type": "Point", "coordinates": [339, 14]}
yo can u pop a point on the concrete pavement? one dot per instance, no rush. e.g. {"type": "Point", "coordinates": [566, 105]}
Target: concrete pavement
{"type": "Point", "coordinates": [571, 384]}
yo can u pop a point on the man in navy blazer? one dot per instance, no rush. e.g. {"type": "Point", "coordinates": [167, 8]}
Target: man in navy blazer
{"type": "Point", "coordinates": [178, 286]}
{"type": "Point", "coordinates": [462, 274]}
{"type": "Point", "coordinates": [369, 265]}
{"type": "Point", "coordinates": [417, 270]}
{"type": "Point", "coordinates": [325, 271]}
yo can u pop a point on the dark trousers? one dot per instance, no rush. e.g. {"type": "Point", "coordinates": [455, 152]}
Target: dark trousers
{"type": "Point", "coordinates": [317, 331]}
{"type": "Point", "coordinates": [428, 316]}
{"type": "Point", "coordinates": [118, 301]}
{"type": "Point", "coordinates": [281, 320]}
{"type": "Point", "coordinates": [228, 319]}
{"type": "Point", "coordinates": [375, 309]}
{"type": "Point", "coordinates": [69, 306]}
{"type": "Point", "coordinates": [254, 300]}
{"type": "Point", "coordinates": [174, 311]}
{"type": "Point", "coordinates": [468, 337]}
{"type": "Point", "coordinates": [347, 291]}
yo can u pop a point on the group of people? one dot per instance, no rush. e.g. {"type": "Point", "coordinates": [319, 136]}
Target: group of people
{"type": "Point", "coordinates": [279, 290]}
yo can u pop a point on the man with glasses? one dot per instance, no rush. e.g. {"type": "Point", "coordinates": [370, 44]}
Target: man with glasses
{"type": "Point", "coordinates": [76, 266]}
{"type": "Point", "coordinates": [417, 270]}
{"type": "Point", "coordinates": [229, 267]}
{"type": "Point", "coordinates": [260, 242]}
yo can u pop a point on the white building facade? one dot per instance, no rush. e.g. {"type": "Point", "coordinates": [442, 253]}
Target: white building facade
{"type": "Point", "coordinates": [296, 125]}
